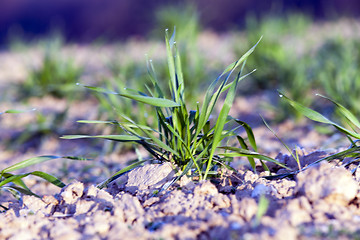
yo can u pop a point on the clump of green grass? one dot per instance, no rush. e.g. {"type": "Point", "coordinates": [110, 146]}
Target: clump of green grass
{"type": "Point", "coordinates": [56, 76]}
{"type": "Point", "coordinates": [188, 139]}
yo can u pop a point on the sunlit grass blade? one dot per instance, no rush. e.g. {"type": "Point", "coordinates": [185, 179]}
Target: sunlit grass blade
{"type": "Point", "coordinates": [158, 102]}
{"type": "Point", "coordinates": [120, 138]}
{"type": "Point", "coordinates": [15, 179]}
{"type": "Point", "coordinates": [17, 111]}
{"type": "Point", "coordinates": [296, 157]}
{"type": "Point", "coordinates": [49, 178]}
{"type": "Point", "coordinates": [351, 117]}
{"type": "Point", "coordinates": [239, 152]}
{"type": "Point", "coordinates": [262, 209]}
{"type": "Point", "coordinates": [316, 116]}
{"type": "Point", "coordinates": [29, 162]}
{"type": "Point", "coordinates": [223, 115]}
{"type": "Point", "coordinates": [170, 60]}
{"type": "Point", "coordinates": [244, 146]}
{"type": "Point", "coordinates": [249, 132]}
{"type": "Point", "coordinates": [242, 59]}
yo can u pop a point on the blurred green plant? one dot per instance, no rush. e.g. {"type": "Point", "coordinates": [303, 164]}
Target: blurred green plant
{"type": "Point", "coordinates": [336, 71]}
{"type": "Point", "coordinates": [281, 65]}
{"type": "Point", "coordinates": [185, 18]}
{"type": "Point", "coordinates": [32, 133]}
{"type": "Point", "coordinates": [278, 61]}
{"type": "Point", "coordinates": [56, 76]}
{"type": "Point", "coordinates": [185, 138]}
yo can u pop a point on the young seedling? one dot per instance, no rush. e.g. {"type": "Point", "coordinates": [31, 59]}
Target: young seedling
{"type": "Point", "coordinates": [185, 138]}
{"type": "Point", "coordinates": [13, 182]}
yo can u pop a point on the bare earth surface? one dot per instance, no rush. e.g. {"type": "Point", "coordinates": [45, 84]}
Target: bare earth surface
{"type": "Point", "coordinates": [321, 202]}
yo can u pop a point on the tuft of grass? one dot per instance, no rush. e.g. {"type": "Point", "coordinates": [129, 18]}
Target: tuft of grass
{"type": "Point", "coordinates": [188, 139]}
{"type": "Point", "coordinates": [56, 76]}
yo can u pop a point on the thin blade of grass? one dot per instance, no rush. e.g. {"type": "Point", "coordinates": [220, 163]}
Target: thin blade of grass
{"type": "Point", "coordinates": [222, 118]}
{"type": "Point", "coordinates": [243, 58]}
{"type": "Point", "coordinates": [171, 63]}
{"type": "Point", "coordinates": [273, 132]}
{"type": "Point", "coordinates": [351, 117]}
{"type": "Point", "coordinates": [17, 191]}
{"type": "Point", "coordinates": [29, 162]}
{"type": "Point", "coordinates": [239, 152]}
{"type": "Point", "coordinates": [250, 159]}
{"type": "Point", "coordinates": [120, 138]}
{"type": "Point", "coordinates": [49, 178]}
{"type": "Point", "coordinates": [158, 102]}
{"type": "Point", "coordinates": [249, 132]}
{"type": "Point", "coordinates": [341, 155]}
{"type": "Point", "coordinates": [316, 116]}
{"type": "Point", "coordinates": [156, 140]}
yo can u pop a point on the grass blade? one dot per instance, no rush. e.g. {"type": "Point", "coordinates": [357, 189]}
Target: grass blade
{"type": "Point", "coordinates": [344, 111]}
{"type": "Point", "coordinates": [222, 118]}
{"type": "Point", "coordinates": [316, 116]}
{"type": "Point", "coordinates": [239, 152]}
{"type": "Point", "coordinates": [28, 162]}
{"type": "Point", "coordinates": [120, 138]}
{"type": "Point", "coordinates": [158, 102]}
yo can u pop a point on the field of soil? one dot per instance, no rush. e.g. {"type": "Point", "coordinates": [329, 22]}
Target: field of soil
{"type": "Point", "coordinates": [321, 202]}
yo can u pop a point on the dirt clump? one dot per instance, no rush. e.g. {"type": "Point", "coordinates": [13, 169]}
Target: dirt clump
{"type": "Point", "coordinates": [322, 199]}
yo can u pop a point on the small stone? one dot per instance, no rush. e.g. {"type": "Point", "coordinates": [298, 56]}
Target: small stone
{"type": "Point", "coordinates": [221, 201]}
{"type": "Point", "coordinates": [71, 193]}
{"type": "Point", "coordinates": [50, 200]}
{"type": "Point", "coordinates": [206, 188]}
{"type": "Point", "coordinates": [332, 184]}
{"type": "Point", "coordinates": [149, 177]}
{"type": "Point", "coordinates": [186, 183]}
{"type": "Point", "coordinates": [129, 208]}
{"type": "Point", "coordinates": [247, 208]}
{"type": "Point", "coordinates": [261, 190]}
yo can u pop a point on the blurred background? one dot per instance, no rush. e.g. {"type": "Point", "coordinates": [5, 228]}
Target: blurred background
{"type": "Point", "coordinates": [109, 20]}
